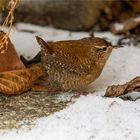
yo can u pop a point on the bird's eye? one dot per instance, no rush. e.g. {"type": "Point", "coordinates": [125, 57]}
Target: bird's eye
{"type": "Point", "coordinates": [104, 49]}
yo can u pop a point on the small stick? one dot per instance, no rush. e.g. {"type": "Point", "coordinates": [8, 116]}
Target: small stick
{"type": "Point", "coordinates": [8, 22]}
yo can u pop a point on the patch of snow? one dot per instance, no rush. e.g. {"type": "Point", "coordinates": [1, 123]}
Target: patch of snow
{"type": "Point", "coordinates": [137, 19]}
{"type": "Point", "coordinates": [118, 26]}
{"type": "Point", "coordinates": [91, 117]}
{"type": "Point", "coordinates": [26, 44]}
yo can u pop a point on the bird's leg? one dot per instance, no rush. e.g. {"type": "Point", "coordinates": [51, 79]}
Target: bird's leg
{"type": "Point", "coordinates": [45, 88]}
{"type": "Point", "coordinates": [78, 93]}
{"type": "Point", "coordinates": [43, 85]}
{"type": "Point", "coordinates": [39, 88]}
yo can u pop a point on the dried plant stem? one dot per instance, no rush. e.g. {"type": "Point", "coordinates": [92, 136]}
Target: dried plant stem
{"type": "Point", "coordinates": [8, 22]}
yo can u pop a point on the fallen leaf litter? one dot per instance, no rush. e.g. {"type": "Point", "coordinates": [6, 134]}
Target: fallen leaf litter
{"type": "Point", "coordinates": [22, 110]}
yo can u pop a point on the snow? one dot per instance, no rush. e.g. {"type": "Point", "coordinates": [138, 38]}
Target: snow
{"type": "Point", "coordinates": [118, 26]}
{"type": "Point", "coordinates": [91, 117]}
{"type": "Point", "coordinates": [137, 19]}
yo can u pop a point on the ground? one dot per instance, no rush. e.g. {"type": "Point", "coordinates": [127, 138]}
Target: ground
{"type": "Point", "coordinates": [91, 117]}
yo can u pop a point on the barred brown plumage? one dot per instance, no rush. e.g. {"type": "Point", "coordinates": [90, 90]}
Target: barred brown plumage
{"type": "Point", "coordinates": [73, 64]}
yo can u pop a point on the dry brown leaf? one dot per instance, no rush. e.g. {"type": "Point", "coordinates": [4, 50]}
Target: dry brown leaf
{"type": "Point", "coordinates": [19, 81]}
{"type": "Point", "coordinates": [9, 59]}
{"type": "Point", "coordinates": [118, 90]}
{"type": "Point", "coordinates": [128, 25]}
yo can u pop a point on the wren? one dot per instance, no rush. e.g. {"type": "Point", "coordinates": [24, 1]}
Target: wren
{"type": "Point", "coordinates": [74, 64]}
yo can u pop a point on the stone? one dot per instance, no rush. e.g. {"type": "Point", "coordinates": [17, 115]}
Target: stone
{"type": "Point", "coordinates": [66, 14]}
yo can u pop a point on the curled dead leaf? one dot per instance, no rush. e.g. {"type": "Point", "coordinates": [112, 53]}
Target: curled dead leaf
{"type": "Point", "coordinates": [9, 59]}
{"type": "Point", "coordinates": [19, 81]}
{"type": "Point", "coordinates": [118, 90]}
{"type": "Point", "coordinates": [126, 26]}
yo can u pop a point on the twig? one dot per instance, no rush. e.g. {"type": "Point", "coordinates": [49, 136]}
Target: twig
{"type": "Point", "coordinates": [8, 22]}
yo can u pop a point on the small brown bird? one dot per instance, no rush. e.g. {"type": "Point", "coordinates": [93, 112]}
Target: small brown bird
{"type": "Point", "coordinates": [74, 64]}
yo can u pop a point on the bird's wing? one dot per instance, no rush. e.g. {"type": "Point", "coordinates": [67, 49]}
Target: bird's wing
{"type": "Point", "coordinates": [70, 58]}
{"type": "Point", "coordinates": [71, 65]}
{"type": "Point", "coordinates": [70, 61]}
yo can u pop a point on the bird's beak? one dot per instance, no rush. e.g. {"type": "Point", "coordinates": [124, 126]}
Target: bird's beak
{"type": "Point", "coordinates": [116, 46]}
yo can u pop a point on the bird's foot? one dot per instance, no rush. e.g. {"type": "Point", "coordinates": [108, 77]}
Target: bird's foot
{"type": "Point", "coordinates": [39, 88]}
{"type": "Point", "coordinates": [44, 88]}
{"type": "Point", "coordinates": [77, 94]}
